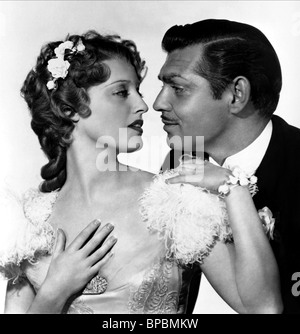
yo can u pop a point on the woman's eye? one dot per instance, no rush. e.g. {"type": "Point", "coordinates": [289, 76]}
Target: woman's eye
{"type": "Point", "coordinates": [122, 93]}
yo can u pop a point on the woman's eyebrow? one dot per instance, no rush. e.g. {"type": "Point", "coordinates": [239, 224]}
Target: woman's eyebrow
{"type": "Point", "coordinates": [118, 81]}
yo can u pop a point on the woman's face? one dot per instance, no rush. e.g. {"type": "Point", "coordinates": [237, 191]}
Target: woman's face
{"type": "Point", "coordinates": [116, 110]}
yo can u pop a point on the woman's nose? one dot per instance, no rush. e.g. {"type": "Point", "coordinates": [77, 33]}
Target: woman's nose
{"type": "Point", "coordinates": [142, 106]}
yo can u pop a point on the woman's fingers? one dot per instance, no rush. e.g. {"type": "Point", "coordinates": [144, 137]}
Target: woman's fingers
{"type": "Point", "coordinates": [84, 235]}
{"type": "Point", "coordinates": [191, 169]}
{"type": "Point", "coordinates": [97, 239]}
{"type": "Point", "coordinates": [187, 169]}
{"type": "Point", "coordinates": [95, 269]}
{"type": "Point", "coordinates": [104, 250]}
{"type": "Point", "coordinates": [60, 243]}
{"type": "Point", "coordinates": [191, 179]}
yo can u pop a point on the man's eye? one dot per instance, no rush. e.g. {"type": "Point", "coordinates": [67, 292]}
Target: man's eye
{"type": "Point", "coordinates": [178, 89]}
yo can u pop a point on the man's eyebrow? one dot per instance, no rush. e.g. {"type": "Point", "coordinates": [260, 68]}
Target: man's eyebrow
{"type": "Point", "coordinates": [169, 77]}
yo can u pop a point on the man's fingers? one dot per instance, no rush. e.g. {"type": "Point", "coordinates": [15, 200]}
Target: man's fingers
{"type": "Point", "coordinates": [84, 235]}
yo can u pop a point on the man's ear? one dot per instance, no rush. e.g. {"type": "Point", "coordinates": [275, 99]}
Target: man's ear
{"type": "Point", "coordinates": [240, 94]}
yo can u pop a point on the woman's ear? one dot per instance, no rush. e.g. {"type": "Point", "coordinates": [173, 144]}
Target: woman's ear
{"type": "Point", "coordinates": [75, 118]}
{"type": "Point", "coordinates": [240, 94]}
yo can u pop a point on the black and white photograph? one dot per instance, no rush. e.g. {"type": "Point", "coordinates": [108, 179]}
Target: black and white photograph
{"type": "Point", "coordinates": [150, 157]}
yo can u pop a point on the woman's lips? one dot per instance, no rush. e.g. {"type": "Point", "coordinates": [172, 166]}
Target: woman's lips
{"type": "Point", "coordinates": [137, 126]}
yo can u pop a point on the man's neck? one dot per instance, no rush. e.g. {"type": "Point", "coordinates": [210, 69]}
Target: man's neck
{"type": "Point", "coordinates": [236, 140]}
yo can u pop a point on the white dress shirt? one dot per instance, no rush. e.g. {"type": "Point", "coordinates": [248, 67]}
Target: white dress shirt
{"type": "Point", "coordinates": [250, 157]}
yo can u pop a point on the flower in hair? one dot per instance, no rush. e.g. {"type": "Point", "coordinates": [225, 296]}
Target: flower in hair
{"type": "Point", "coordinates": [50, 84]}
{"type": "Point", "coordinates": [80, 46]}
{"type": "Point", "coordinates": [58, 67]}
{"type": "Point", "coordinates": [60, 50]}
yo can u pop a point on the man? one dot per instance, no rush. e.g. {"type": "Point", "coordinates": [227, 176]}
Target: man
{"type": "Point", "coordinates": [222, 80]}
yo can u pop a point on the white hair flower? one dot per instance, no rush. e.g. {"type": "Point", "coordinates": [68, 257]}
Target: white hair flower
{"type": "Point", "coordinates": [80, 46]}
{"type": "Point", "coordinates": [58, 67]}
{"type": "Point", "coordinates": [60, 50]}
{"type": "Point", "coordinates": [50, 84]}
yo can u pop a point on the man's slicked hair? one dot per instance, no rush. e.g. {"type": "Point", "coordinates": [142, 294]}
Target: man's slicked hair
{"type": "Point", "coordinates": [230, 49]}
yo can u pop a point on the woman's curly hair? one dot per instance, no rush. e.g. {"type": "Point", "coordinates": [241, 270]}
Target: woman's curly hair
{"type": "Point", "coordinates": [53, 111]}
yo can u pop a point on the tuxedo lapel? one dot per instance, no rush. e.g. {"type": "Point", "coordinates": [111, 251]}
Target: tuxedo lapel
{"type": "Point", "coordinates": [270, 169]}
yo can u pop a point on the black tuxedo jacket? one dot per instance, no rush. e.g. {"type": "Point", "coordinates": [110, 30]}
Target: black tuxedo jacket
{"type": "Point", "coordinates": [279, 189]}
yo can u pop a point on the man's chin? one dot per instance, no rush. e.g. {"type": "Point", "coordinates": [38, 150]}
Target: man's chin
{"type": "Point", "coordinates": [185, 143]}
{"type": "Point", "coordinates": [175, 141]}
{"type": "Point", "coordinates": [169, 128]}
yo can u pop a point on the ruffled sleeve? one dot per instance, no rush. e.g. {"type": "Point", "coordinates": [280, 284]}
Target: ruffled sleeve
{"type": "Point", "coordinates": [25, 235]}
{"type": "Point", "coordinates": [188, 218]}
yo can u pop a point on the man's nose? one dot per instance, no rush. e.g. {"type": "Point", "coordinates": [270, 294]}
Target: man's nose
{"type": "Point", "coordinates": [161, 102]}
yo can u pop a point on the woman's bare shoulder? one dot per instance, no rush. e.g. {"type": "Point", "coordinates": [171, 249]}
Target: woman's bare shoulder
{"type": "Point", "coordinates": [142, 178]}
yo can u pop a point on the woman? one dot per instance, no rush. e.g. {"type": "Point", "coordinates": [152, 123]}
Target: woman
{"type": "Point", "coordinates": [86, 109]}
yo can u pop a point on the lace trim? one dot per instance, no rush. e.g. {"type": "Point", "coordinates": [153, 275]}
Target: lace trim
{"type": "Point", "coordinates": [152, 296]}
{"type": "Point", "coordinates": [78, 306]}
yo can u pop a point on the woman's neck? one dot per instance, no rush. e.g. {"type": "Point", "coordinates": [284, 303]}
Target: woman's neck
{"type": "Point", "coordinates": [90, 169]}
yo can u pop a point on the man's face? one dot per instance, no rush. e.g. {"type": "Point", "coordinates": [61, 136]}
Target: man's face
{"type": "Point", "coordinates": [186, 101]}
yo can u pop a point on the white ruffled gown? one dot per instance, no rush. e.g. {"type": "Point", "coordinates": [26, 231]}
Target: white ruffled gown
{"type": "Point", "coordinates": [180, 225]}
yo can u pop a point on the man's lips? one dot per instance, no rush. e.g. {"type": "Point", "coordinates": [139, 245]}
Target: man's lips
{"type": "Point", "coordinates": [168, 121]}
{"type": "Point", "coordinates": [137, 125]}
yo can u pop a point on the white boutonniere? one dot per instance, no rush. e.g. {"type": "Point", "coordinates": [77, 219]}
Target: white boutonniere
{"type": "Point", "coordinates": [268, 221]}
